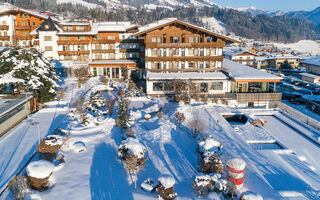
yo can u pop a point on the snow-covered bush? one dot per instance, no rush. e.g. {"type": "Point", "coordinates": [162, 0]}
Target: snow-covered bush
{"type": "Point", "coordinates": [38, 174]}
{"type": "Point", "coordinates": [165, 187]}
{"type": "Point", "coordinates": [205, 183]}
{"type": "Point", "coordinates": [28, 68]}
{"type": "Point", "coordinates": [209, 144]}
{"type": "Point", "coordinates": [49, 146]}
{"type": "Point", "coordinates": [147, 116]}
{"type": "Point", "coordinates": [179, 117]}
{"type": "Point", "coordinates": [196, 126]}
{"type": "Point", "coordinates": [134, 154]}
{"type": "Point", "coordinates": [18, 187]}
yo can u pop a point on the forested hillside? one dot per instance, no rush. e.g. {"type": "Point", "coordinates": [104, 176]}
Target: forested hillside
{"type": "Point", "coordinates": [262, 27]}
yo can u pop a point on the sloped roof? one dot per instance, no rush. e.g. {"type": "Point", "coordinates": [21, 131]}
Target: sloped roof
{"type": "Point", "coordinates": [165, 22]}
{"type": "Point", "coordinates": [312, 61]}
{"type": "Point", "coordinates": [48, 25]}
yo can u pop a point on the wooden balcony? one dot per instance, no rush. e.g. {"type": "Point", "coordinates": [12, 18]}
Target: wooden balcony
{"type": "Point", "coordinates": [73, 42]}
{"type": "Point", "coordinates": [23, 27]}
{"type": "Point", "coordinates": [73, 52]}
{"type": "Point", "coordinates": [218, 44]}
{"type": "Point", "coordinates": [185, 58]}
{"type": "Point", "coordinates": [4, 37]}
{"type": "Point", "coordinates": [258, 97]}
{"type": "Point", "coordinates": [103, 51]}
{"type": "Point", "coordinates": [18, 37]}
{"type": "Point", "coordinates": [184, 70]}
{"type": "Point", "coordinates": [103, 41]}
{"type": "Point", "coordinates": [4, 27]}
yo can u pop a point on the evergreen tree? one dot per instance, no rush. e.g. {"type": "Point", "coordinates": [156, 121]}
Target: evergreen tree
{"type": "Point", "coordinates": [123, 113]}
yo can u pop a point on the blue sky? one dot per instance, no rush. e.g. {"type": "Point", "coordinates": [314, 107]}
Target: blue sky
{"type": "Point", "coordinates": [272, 5]}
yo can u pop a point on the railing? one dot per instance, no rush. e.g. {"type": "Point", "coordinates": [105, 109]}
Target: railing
{"type": "Point", "coordinates": [104, 41]}
{"type": "Point", "coordinates": [185, 58]}
{"type": "Point", "coordinates": [66, 42]}
{"type": "Point", "coordinates": [185, 70]}
{"type": "Point", "coordinates": [130, 50]}
{"type": "Point", "coordinates": [258, 97]}
{"type": "Point", "coordinates": [23, 37]}
{"type": "Point", "coordinates": [23, 27]}
{"type": "Point", "coordinates": [103, 51]}
{"type": "Point", "coordinates": [299, 116]}
{"type": "Point", "coordinates": [73, 52]}
{"type": "Point", "coordinates": [4, 27]}
{"type": "Point", "coordinates": [4, 37]}
{"type": "Point", "coordinates": [218, 44]}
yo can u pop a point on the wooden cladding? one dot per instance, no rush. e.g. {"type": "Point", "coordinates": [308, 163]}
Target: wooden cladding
{"type": "Point", "coordinates": [19, 37]}
{"type": "Point", "coordinates": [103, 41]}
{"type": "Point", "coordinates": [185, 45]}
{"type": "Point", "coordinates": [4, 37]}
{"type": "Point", "coordinates": [186, 58]}
{"type": "Point", "coordinates": [4, 27]}
{"type": "Point", "coordinates": [73, 52]}
{"type": "Point", "coordinates": [23, 28]}
{"type": "Point", "coordinates": [103, 51]}
{"type": "Point", "coordinates": [258, 97]}
{"type": "Point", "coordinates": [71, 42]}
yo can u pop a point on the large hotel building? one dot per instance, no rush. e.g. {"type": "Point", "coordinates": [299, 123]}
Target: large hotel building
{"type": "Point", "coordinates": [159, 52]}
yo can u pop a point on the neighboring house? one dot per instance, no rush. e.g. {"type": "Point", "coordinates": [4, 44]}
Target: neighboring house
{"type": "Point", "coordinates": [311, 78]}
{"type": "Point", "coordinates": [277, 60]}
{"type": "Point", "coordinates": [260, 62]}
{"type": "Point", "coordinates": [245, 57]}
{"type": "Point", "coordinates": [312, 65]}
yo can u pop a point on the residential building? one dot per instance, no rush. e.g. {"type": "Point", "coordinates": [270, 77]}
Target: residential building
{"type": "Point", "coordinates": [245, 57]}
{"type": "Point", "coordinates": [277, 60]}
{"type": "Point", "coordinates": [312, 65]}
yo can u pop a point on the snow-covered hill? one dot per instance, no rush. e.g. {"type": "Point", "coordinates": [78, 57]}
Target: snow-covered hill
{"type": "Point", "coordinates": [214, 25]}
{"type": "Point", "coordinates": [305, 46]}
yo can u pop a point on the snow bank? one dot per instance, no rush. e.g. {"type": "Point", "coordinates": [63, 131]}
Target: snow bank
{"type": "Point", "coordinates": [209, 144]}
{"type": "Point", "coordinates": [132, 146]}
{"type": "Point", "coordinates": [250, 196]}
{"type": "Point", "coordinates": [166, 181]}
{"type": "Point", "coordinates": [79, 146]}
{"type": "Point", "coordinates": [40, 169]}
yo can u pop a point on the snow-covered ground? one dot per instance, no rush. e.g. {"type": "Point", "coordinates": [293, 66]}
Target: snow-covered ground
{"type": "Point", "coordinates": [96, 172]}
{"type": "Point", "coordinates": [214, 25]}
{"type": "Point", "coordinates": [303, 46]}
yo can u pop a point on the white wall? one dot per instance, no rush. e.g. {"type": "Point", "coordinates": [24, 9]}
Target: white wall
{"type": "Point", "coordinates": [50, 54]}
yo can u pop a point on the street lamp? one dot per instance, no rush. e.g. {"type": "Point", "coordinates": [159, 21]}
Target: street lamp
{"type": "Point", "coordinates": [38, 124]}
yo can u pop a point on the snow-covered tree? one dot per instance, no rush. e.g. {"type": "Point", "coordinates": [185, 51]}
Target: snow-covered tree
{"type": "Point", "coordinates": [123, 120]}
{"type": "Point", "coordinates": [29, 69]}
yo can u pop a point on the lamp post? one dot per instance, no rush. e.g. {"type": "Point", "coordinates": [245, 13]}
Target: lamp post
{"type": "Point", "coordinates": [38, 124]}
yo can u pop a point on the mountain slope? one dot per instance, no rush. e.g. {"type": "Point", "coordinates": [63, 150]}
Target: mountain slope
{"type": "Point", "coordinates": [313, 15]}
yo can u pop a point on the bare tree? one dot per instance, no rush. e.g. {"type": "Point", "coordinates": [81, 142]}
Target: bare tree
{"type": "Point", "coordinates": [81, 71]}
{"type": "Point", "coordinates": [196, 126]}
{"type": "Point", "coordinates": [110, 104]}
{"type": "Point", "coordinates": [18, 187]}
{"type": "Point", "coordinates": [81, 107]}
{"type": "Point", "coordinates": [134, 165]}
{"type": "Point", "coordinates": [105, 80]}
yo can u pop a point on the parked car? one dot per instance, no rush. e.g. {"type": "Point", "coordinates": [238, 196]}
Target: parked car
{"type": "Point", "coordinates": [316, 91]}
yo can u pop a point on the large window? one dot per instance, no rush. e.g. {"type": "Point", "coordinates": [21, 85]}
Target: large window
{"type": "Point", "coordinates": [47, 38]}
{"type": "Point", "coordinates": [111, 37]}
{"type": "Point", "coordinates": [48, 48]}
{"type": "Point", "coordinates": [216, 86]}
{"type": "Point", "coordinates": [157, 86]}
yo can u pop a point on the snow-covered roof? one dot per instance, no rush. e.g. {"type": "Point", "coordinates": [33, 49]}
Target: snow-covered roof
{"type": "Point", "coordinates": [238, 71]}
{"type": "Point", "coordinates": [312, 61]}
{"type": "Point", "coordinates": [114, 26]}
{"type": "Point", "coordinates": [284, 56]}
{"type": "Point", "coordinates": [233, 52]}
{"type": "Point", "coordinates": [309, 75]}
{"type": "Point", "coordinates": [98, 62]}
{"type": "Point", "coordinates": [187, 75]}
{"type": "Point", "coordinates": [74, 23]}
{"type": "Point", "coordinates": [166, 21]}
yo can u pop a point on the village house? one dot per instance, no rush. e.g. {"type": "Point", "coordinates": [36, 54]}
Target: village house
{"type": "Point", "coordinates": [277, 60]}
{"type": "Point", "coordinates": [245, 57]}
{"type": "Point", "coordinates": [312, 66]}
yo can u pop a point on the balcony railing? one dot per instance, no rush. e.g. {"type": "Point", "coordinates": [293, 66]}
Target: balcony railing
{"type": "Point", "coordinates": [184, 58]}
{"type": "Point", "coordinates": [130, 50]}
{"type": "Point", "coordinates": [185, 70]}
{"type": "Point", "coordinates": [4, 27]}
{"type": "Point", "coordinates": [24, 37]}
{"type": "Point", "coordinates": [73, 52]}
{"type": "Point", "coordinates": [218, 44]}
{"type": "Point", "coordinates": [67, 42]}
{"type": "Point", "coordinates": [4, 37]}
{"type": "Point", "coordinates": [103, 51]}
{"type": "Point", "coordinates": [258, 97]}
{"type": "Point", "coordinates": [23, 27]}
{"type": "Point", "coordinates": [103, 41]}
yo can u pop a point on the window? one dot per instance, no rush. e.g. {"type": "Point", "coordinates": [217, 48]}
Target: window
{"type": "Point", "coordinates": [191, 52]}
{"type": "Point", "coordinates": [79, 28]}
{"type": "Point", "coordinates": [94, 71]}
{"type": "Point", "coordinates": [157, 86]}
{"type": "Point", "coordinates": [159, 39]}
{"type": "Point", "coordinates": [4, 23]}
{"type": "Point", "coordinates": [191, 39]}
{"type": "Point", "coordinates": [183, 39]}
{"type": "Point", "coordinates": [208, 39]}
{"type": "Point", "coordinates": [48, 48]}
{"type": "Point", "coordinates": [201, 52]}
{"type": "Point", "coordinates": [203, 87]}
{"type": "Point", "coordinates": [23, 34]}
{"type": "Point", "coordinates": [176, 39]}
{"type": "Point", "coordinates": [66, 48]}
{"type": "Point", "coordinates": [111, 37]}
{"type": "Point", "coordinates": [182, 65]}
{"type": "Point", "coordinates": [216, 86]}
{"type": "Point", "coordinates": [176, 52]}
{"type": "Point", "coordinates": [47, 38]}
{"type": "Point", "coordinates": [80, 37]}
{"type": "Point", "coordinates": [182, 52]}
{"type": "Point", "coordinates": [154, 39]}
{"type": "Point", "coordinates": [65, 37]}
{"type": "Point", "coordinates": [22, 24]}
{"type": "Point", "coordinates": [98, 56]}
{"type": "Point", "coordinates": [171, 39]}
{"type": "Point", "coordinates": [21, 15]}
{"type": "Point", "coordinates": [81, 48]}
{"type": "Point", "coordinates": [5, 33]}
{"type": "Point", "coordinates": [33, 23]}
{"type": "Point", "coordinates": [98, 46]}
{"type": "Point", "coordinates": [46, 26]}
{"type": "Point", "coordinates": [154, 52]}
{"type": "Point", "coordinates": [99, 37]}
{"type": "Point", "coordinates": [25, 15]}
